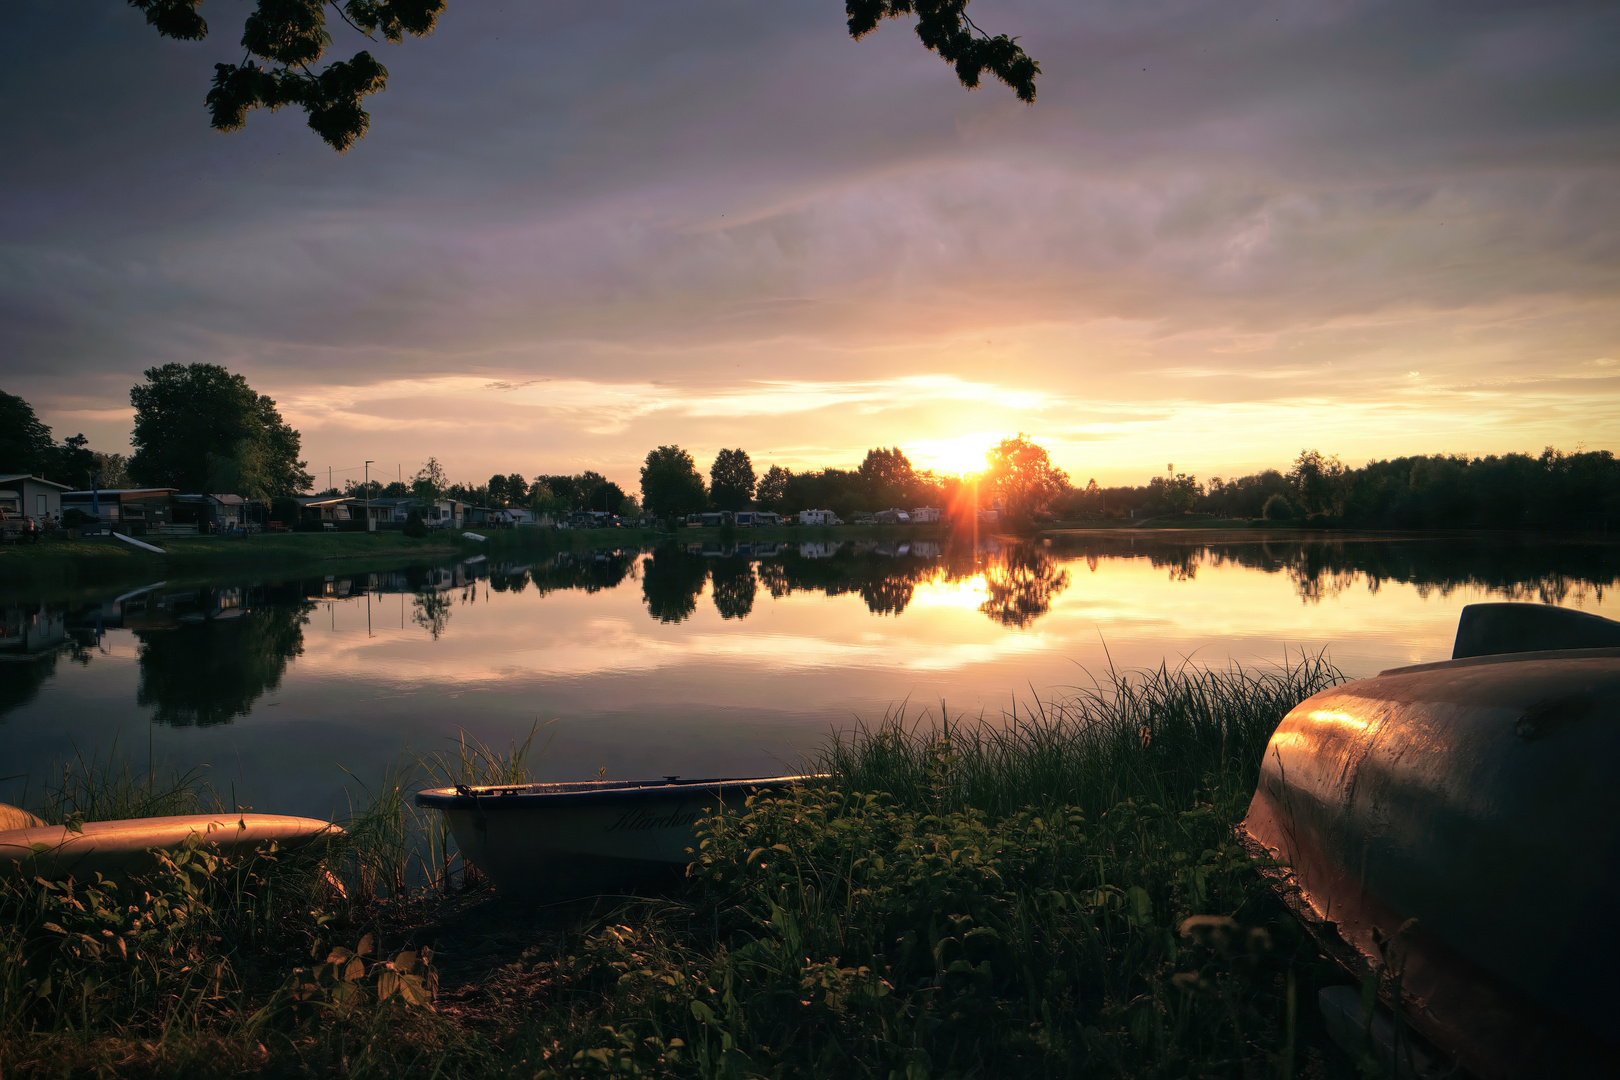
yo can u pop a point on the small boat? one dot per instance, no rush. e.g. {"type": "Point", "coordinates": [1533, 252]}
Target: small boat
{"type": "Point", "coordinates": [55, 852]}
{"type": "Point", "coordinates": [1453, 829]}
{"type": "Point", "coordinates": [563, 840]}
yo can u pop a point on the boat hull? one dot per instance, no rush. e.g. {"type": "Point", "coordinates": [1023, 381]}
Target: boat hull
{"type": "Point", "coordinates": [554, 841]}
{"type": "Point", "coordinates": [124, 847]}
{"type": "Point", "coordinates": [1475, 797]}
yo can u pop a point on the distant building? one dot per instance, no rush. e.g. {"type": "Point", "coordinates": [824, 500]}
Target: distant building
{"type": "Point", "coordinates": [133, 511]}
{"type": "Point", "coordinates": [926, 515]}
{"type": "Point", "coordinates": [23, 495]}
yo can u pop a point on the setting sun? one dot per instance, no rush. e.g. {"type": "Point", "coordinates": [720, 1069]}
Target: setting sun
{"type": "Point", "coordinates": [960, 456]}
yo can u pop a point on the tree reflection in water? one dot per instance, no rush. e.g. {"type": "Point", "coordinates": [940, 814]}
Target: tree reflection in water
{"type": "Point", "coordinates": [431, 611]}
{"type": "Point", "coordinates": [671, 582]}
{"type": "Point", "coordinates": [1021, 585]}
{"type": "Point", "coordinates": [734, 586]}
{"type": "Point", "coordinates": [212, 670]}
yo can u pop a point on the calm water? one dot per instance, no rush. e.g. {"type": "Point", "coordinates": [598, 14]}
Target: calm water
{"type": "Point", "coordinates": [702, 661]}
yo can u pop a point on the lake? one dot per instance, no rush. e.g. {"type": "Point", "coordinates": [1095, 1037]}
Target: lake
{"type": "Point", "coordinates": [705, 659]}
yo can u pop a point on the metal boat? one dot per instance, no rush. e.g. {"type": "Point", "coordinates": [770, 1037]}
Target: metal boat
{"type": "Point", "coordinates": [1453, 829]}
{"type": "Point", "coordinates": [554, 841]}
{"type": "Point", "coordinates": [55, 852]}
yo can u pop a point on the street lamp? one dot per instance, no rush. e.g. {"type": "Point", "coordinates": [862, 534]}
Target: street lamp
{"type": "Point", "coordinates": [370, 525]}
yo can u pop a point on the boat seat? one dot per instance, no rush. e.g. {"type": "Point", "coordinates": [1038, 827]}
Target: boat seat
{"type": "Point", "coordinates": [1493, 629]}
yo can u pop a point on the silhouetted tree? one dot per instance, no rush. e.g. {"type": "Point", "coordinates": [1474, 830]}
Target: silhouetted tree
{"type": "Point", "coordinates": [1022, 476]}
{"type": "Point", "coordinates": [731, 480]}
{"type": "Point", "coordinates": [430, 483]}
{"type": "Point", "coordinates": [25, 441]}
{"type": "Point", "coordinates": [772, 490]}
{"type": "Point", "coordinates": [670, 483]}
{"type": "Point", "coordinates": [200, 428]}
{"type": "Point", "coordinates": [291, 36]}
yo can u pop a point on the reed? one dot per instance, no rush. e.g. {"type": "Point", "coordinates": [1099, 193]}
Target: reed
{"type": "Point", "coordinates": [1056, 892]}
{"type": "Point", "coordinates": [1169, 736]}
{"type": "Point", "coordinates": [96, 788]}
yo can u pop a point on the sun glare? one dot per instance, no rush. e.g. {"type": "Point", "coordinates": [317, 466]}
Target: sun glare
{"type": "Point", "coordinates": [958, 456]}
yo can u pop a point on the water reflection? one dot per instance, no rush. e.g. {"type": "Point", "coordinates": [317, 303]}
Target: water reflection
{"type": "Point", "coordinates": [672, 579]}
{"type": "Point", "coordinates": [1021, 585]}
{"type": "Point", "coordinates": [204, 656]}
{"type": "Point", "coordinates": [1540, 570]}
{"type": "Point", "coordinates": [210, 667]}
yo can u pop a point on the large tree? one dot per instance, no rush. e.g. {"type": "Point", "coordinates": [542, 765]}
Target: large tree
{"type": "Point", "coordinates": [888, 477]}
{"type": "Point", "coordinates": [772, 490]}
{"type": "Point", "coordinates": [291, 36]}
{"type": "Point", "coordinates": [26, 446]}
{"type": "Point", "coordinates": [731, 480]}
{"type": "Point", "coordinates": [25, 441]}
{"type": "Point", "coordinates": [201, 428]}
{"type": "Point", "coordinates": [1023, 477]}
{"type": "Point", "coordinates": [671, 483]}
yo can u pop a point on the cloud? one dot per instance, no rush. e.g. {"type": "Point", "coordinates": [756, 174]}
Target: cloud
{"type": "Point", "coordinates": [577, 230]}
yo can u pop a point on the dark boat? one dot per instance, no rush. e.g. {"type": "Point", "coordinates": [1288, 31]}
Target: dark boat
{"type": "Point", "coordinates": [556, 841]}
{"type": "Point", "coordinates": [1454, 829]}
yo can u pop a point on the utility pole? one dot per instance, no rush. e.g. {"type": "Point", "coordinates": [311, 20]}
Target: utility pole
{"type": "Point", "coordinates": [370, 525]}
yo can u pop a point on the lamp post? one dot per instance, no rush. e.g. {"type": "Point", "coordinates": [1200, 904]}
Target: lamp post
{"type": "Point", "coordinates": [370, 525]}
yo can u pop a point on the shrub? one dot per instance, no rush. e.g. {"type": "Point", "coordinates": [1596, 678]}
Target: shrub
{"type": "Point", "coordinates": [1277, 509]}
{"type": "Point", "coordinates": [414, 526]}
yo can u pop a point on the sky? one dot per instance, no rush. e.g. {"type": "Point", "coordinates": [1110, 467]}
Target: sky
{"type": "Point", "coordinates": [1222, 234]}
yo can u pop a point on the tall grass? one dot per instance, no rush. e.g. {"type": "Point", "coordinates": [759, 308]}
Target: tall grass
{"type": "Point", "coordinates": [1057, 894]}
{"type": "Point", "coordinates": [1169, 736]}
{"type": "Point", "coordinates": [94, 788]}
{"type": "Point", "coordinates": [1054, 892]}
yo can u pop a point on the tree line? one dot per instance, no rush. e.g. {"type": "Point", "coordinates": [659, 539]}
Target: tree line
{"type": "Point", "coordinates": [1553, 490]}
{"type": "Point", "coordinates": [199, 427]}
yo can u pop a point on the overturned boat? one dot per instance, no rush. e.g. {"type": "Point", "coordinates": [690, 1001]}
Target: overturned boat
{"type": "Point", "coordinates": [562, 840]}
{"type": "Point", "coordinates": [55, 852]}
{"type": "Point", "coordinates": [1452, 829]}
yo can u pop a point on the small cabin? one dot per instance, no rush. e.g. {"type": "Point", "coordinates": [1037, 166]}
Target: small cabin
{"type": "Point", "coordinates": [23, 495]}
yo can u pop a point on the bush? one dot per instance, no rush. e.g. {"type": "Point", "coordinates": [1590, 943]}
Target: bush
{"type": "Point", "coordinates": [414, 526]}
{"type": "Point", "coordinates": [1277, 509]}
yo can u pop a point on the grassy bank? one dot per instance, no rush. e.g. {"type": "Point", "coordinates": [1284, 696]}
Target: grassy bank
{"type": "Point", "coordinates": [1058, 894]}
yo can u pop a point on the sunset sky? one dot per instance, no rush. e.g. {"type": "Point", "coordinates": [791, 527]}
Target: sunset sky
{"type": "Point", "coordinates": [575, 231]}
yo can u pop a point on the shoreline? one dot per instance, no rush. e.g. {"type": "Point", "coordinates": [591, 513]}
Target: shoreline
{"type": "Point", "coordinates": [79, 565]}
{"type": "Point", "coordinates": [76, 565]}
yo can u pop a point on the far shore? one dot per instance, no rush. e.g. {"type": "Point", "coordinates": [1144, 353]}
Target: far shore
{"type": "Point", "coordinates": [59, 565]}
{"type": "Point", "coordinates": [72, 564]}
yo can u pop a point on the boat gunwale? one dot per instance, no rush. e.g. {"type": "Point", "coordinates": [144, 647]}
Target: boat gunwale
{"type": "Point", "coordinates": [488, 797]}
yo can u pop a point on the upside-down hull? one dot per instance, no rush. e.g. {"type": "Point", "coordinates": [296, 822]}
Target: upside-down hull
{"type": "Point", "coordinates": [1478, 798]}
{"type": "Point", "coordinates": [125, 847]}
{"type": "Point", "coordinates": [553, 841]}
